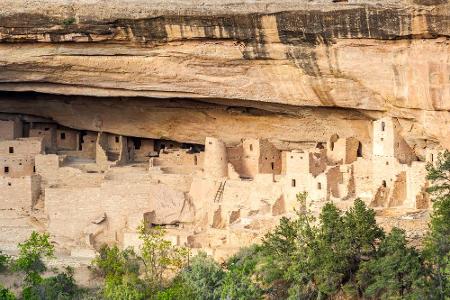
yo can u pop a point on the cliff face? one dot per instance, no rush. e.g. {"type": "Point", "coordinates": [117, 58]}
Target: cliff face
{"type": "Point", "coordinates": [184, 70]}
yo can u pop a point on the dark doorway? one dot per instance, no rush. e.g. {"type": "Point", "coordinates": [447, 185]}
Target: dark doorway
{"type": "Point", "coordinates": [359, 151]}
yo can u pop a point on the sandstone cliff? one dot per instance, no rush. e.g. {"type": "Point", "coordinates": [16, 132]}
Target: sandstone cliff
{"type": "Point", "coordinates": [295, 71]}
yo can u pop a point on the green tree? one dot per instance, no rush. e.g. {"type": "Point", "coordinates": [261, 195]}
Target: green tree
{"type": "Point", "coordinates": [159, 256]}
{"type": "Point", "coordinates": [239, 282]}
{"type": "Point", "coordinates": [31, 255]}
{"type": "Point", "coordinates": [30, 261]}
{"type": "Point", "coordinates": [121, 271]}
{"type": "Point", "coordinates": [437, 242]}
{"type": "Point", "coordinates": [395, 271]}
{"type": "Point", "coordinates": [204, 277]}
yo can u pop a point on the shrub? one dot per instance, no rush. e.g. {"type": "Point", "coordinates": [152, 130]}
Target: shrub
{"type": "Point", "coordinates": [31, 255]}
{"type": "Point", "coordinates": [203, 277]}
{"type": "Point", "coordinates": [6, 294]}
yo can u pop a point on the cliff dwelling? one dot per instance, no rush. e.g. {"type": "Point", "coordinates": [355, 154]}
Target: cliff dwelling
{"type": "Point", "coordinates": [210, 125]}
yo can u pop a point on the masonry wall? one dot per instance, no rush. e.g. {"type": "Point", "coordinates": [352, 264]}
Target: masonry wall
{"type": "Point", "coordinates": [269, 158]}
{"type": "Point", "coordinates": [67, 139]}
{"type": "Point", "coordinates": [16, 166]}
{"type": "Point", "coordinates": [71, 210]}
{"type": "Point", "coordinates": [215, 162]}
{"type": "Point", "coordinates": [295, 162]}
{"type": "Point", "coordinates": [10, 129]}
{"type": "Point", "coordinates": [21, 147]}
{"type": "Point", "coordinates": [19, 193]}
{"type": "Point", "coordinates": [179, 157]}
{"type": "Point", "coordinates": [47, 131]}
{"type": "Point", "coordinates": [146, 149]}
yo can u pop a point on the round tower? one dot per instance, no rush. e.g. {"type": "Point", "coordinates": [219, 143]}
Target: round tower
{"type": "Point", "coordinates": [215, 163]}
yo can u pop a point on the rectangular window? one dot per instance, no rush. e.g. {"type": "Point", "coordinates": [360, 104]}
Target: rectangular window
{"type": "Point", "coordinates": [319, 186]}
{"type": "Point", "coordinates": [11, 149]}
{"type": "Point", "coordinates": [293, 183]}
{"type": "Point", "coordinates": [63, 135]}
{"type": "Point", "coordinates": [272, 165]}
{"type": "Point", "coordinates": [6, 170]}
{"type": "Point", "coordinates": [117, 139]}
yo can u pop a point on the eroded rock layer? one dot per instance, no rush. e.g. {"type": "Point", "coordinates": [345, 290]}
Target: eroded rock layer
{"type": "Point", "coordinates": [212, 116]}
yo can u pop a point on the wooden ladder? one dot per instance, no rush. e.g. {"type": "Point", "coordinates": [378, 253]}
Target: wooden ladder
{"type": "Point", "coordinates": [219, 193]}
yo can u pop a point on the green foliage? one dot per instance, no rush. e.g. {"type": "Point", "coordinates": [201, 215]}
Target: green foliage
{"type": "Point", "coordinates": [437, 242]}
{"type": "Point", "coordinates": [122, 269]}
{"type": "Point", "coordinates": [6, 294]}
{"type": "Point", "coordinates": [31, 255]}
{"type": "Point", "coordinates": [69, 21]}
{"type": "Point", "coordinates": [178, 290]}
{"type": "Point", "coordinates": [159, 256]}
{"type": "Point", "coordinates": [239, 282]}
{"type": "Point", "coordinates": [61, 286]}
{"type": "Point", "coordinates": [121, 272]}
{"type": "Point", "coordinates": [204, 277]}
{"type": "Point", "coordinates": [316, 259]}
{"type": "Point", "coordinates": [395, 272]}
{"type": "Point", "coordinates": [5, 261]}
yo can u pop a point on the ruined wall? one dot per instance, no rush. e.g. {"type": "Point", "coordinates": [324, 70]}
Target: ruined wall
{"type": "Point", "coordinates": [118, 200]}
{"type": "Point", "coordinates": [19, 193]}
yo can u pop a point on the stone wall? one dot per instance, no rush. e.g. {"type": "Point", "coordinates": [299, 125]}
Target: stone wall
{"type": "Point", "coordinates": [19, 193]}
{"type": "Point", "coordinates": [10, 129]}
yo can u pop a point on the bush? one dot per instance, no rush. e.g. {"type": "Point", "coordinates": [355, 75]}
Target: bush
{"type": "Point", "coordinates": [6, 294]}
{"type": "Point", "coordinates": [239, 281]}
{"type": "Point", "coordinates": [121, 272]}
{"type": "Point", "coordinates": [5, 261]}
{"type": "Point", "coordinates": [203, 277]}
{"type": "Point", "coordinates": [31, 255]}
{"type": "Point", "coordinates": [61, 286]}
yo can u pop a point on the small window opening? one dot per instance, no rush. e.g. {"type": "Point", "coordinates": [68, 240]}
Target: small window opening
{"type": "Point", "coordinates": [319, 186]}
{"type": "Point", "coordinates": [11, 149]}
{"type": "Point", "coordinates": [34, 169]}
{"type": "Point", "coordinates": [387, 163]}
{"type": "Point", "coordinates": [293, 183]}
{"type": "Point", "coordinates": [63, 135]}
{"type": "Point", "coordinates": [195, 160]}
{"type": "Point", "coordinates": [384, 183]}
{"type": "Point", "coordinates": [117, 139]}
{"type": "Point", "coordinates": [46, 129]}
{"type": "Point", "coordinates": [382, 139]}
{"type": "Point", "coordinates": [359, 151]}
{"type": "Point", "coordinates": [383, 126]}
{"type": "Point", "coordinates": [432, 157]}
{"type": "Point", "coordinates": [251, 147]}
{"type": "Point", "coordinates": [272, 165]}
{"type": "Point", "coordinates": [210, 143]}
{"type": "Point", "coordinates": [6, 170]}
{"type": "Point", "coordinates": [9, 183]}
